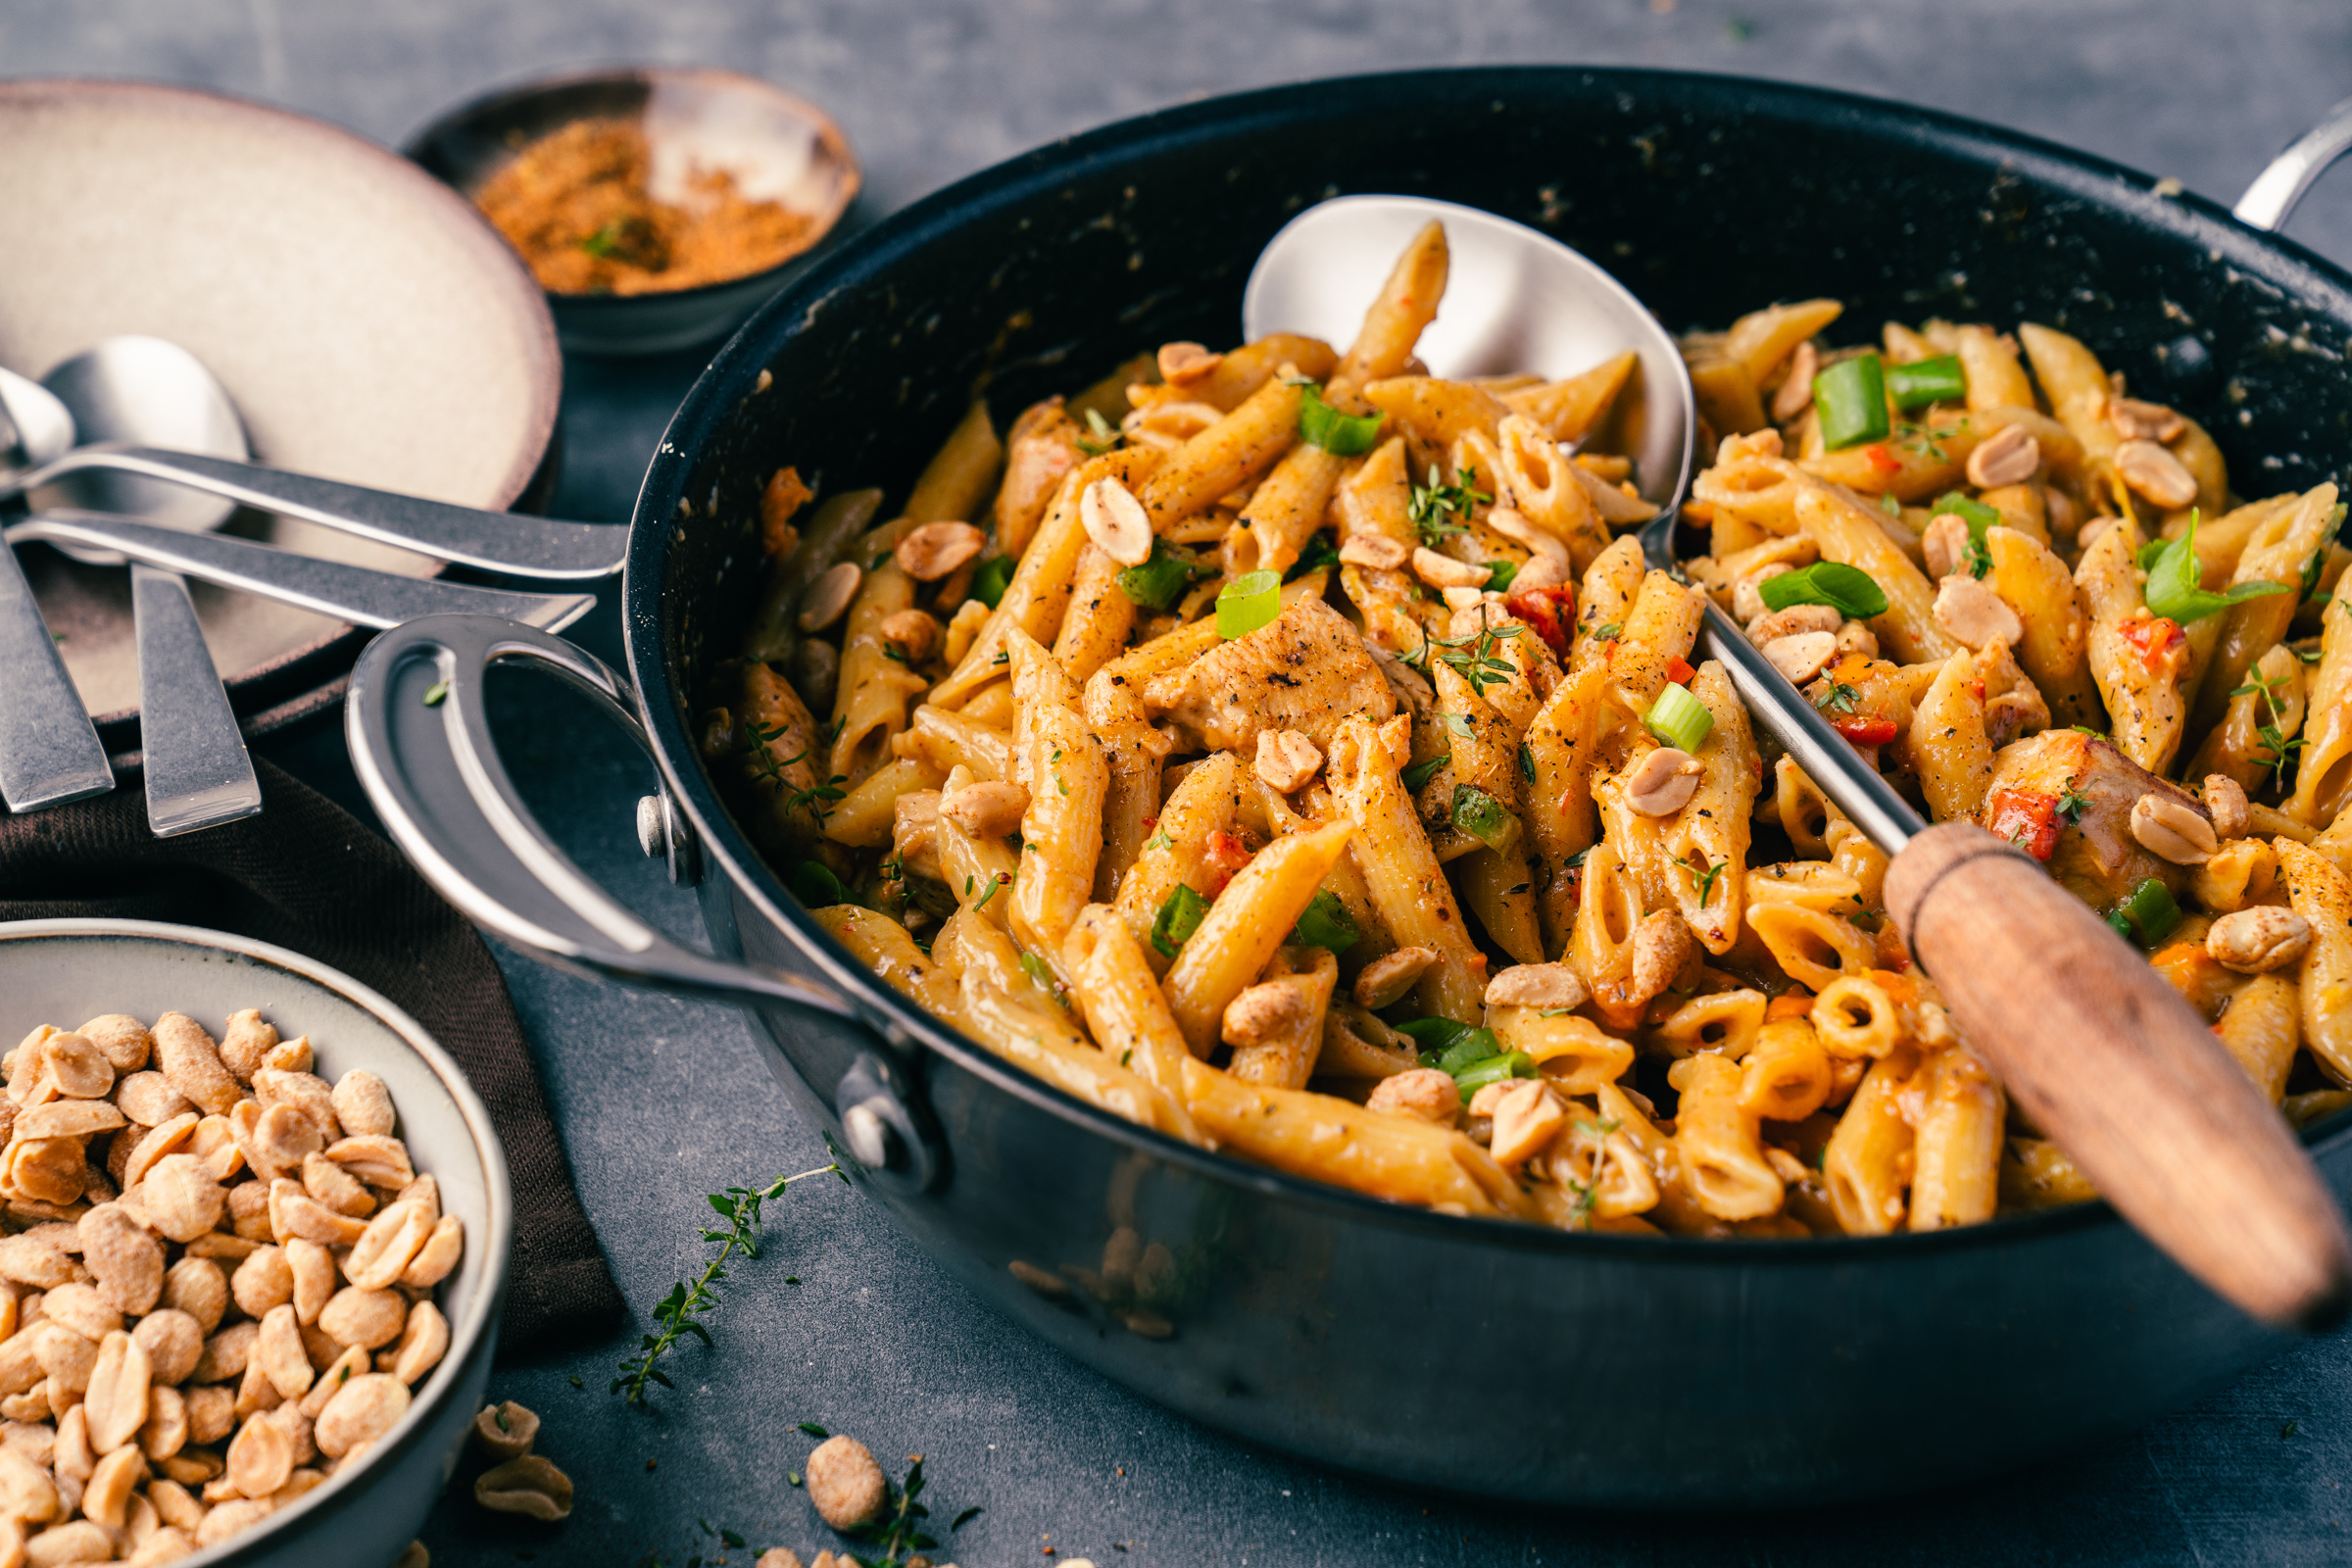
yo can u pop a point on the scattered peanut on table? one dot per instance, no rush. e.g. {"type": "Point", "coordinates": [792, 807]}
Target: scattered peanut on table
{"type": "Point", "coordinates": [216, 1280]}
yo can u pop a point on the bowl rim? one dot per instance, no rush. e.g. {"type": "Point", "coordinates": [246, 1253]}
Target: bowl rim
{"type": "Point", "coordinates": [728, 381]}
{"type": "Point", "coordinates": [525, 304]}
{"type": "Point", "coordinates": [524, 89]}
{"type": "Point", "coordinates": [342, 1489]}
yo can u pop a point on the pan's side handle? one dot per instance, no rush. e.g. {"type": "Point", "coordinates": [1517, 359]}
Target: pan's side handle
{"type": "Point", "coordinates": [420, 744]}
{"type": "Point", "coordinates": [2272, 198]}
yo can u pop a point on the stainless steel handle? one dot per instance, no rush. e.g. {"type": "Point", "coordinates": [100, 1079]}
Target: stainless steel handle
{"type": "Point", "coordinates": [1857, 788]}
{"type": "Point", "coordinates": [494, 541]}
{"type": "Point", "coordinates": [357, 594]}
{"type": "Point", "coordinates": [2270, 200]}
{"type": "Point", "coordinates": [432, 772]}
{"type": "Point", "coordinates": [49, 751]}
{"type": "Point", "coordinates": [198, 773]}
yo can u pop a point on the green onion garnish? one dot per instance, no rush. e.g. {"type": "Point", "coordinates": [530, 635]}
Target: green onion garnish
{"type": "Point", "coordinates": [1476, 1075]}
{"type": "Point", "coordinates": [1248, 602]}
{"type": "Point", "coordinates": [1925, 381]}
{"type": "Point", "coordinates": [1326, 923]}
{"type": "Point", "coordinates": [1678, 719]}
{"type": "Point", "coordinates": [2175, 588]}
{"type": "Point", "coordinates": [2151, 911]}
{"type": "Point", "coordinates": [1851, 398]}
{"type": "Point", "coordinates": [1487, 820]}
{"type": "Point", "coordinates": [990, 580]}
{"type": "Point", "coordinates": [1420, 773]}
{"type": "Point", "coordinates": [1158, 582]}
{"type": "Point", "coordinates": [1318, 552]}
{"type": "Point", "coordinates": [1450, 1047]}
{"type": "Point", "coordinates": [1850, 590]}
{"type": "Point", "coordinates": [1037, 970]}
{"type": "Point", "coordinates": [815, 884]}
{"type": "Point", "coordinates": [1179, 917]}
{"type": "Point", "coordinates": [1501, 572]}
{"type": "Point", "coordinates": [1342, 435]}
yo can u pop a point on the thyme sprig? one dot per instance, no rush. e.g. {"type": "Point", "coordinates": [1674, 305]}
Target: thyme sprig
{"type": "Point", "coordinates": [1437, 508]}
{"type": "Point", "coordinates": [900, 1531]}
{"type": "Point", "coordinates": [677, 1314]}
{"type": "Point", "coordinates": [2272, 735]}
{"type": "Point", "coordinates": [1474, 656]}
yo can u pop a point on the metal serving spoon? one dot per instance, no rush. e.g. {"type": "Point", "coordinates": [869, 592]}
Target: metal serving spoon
{"type": "Point", "coordinates": [508, 543]}
{"type": "Point", "coordinates": [2098, 1050]}
{"type": "Point", "coordinates": [134, 388]}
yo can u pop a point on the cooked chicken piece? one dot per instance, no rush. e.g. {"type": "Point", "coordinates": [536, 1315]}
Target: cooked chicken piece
{"type": "Point", "coordinates": [2095, 785]}
{"type": "Point", "coordinates": [1305, 672]}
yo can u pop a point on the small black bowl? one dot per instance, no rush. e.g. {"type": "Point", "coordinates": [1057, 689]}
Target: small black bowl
{"type": "Point", "coordinates": [774, 145]}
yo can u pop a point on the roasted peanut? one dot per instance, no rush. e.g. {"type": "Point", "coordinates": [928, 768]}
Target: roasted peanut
{"type": "Point", "coordinates": [932, 550]}
{"type": "Point", "coordinates": [2173, 831]}
{"type": "Point", "coordinates": [363, 1104]}
{"type": "Point", "coordinates": [532, 1487]}
{"type": "Point", "coordinates": [1662, 782]}
{"type": "Point", "coordinates": [82, 1309]}
{"type": "Point", "coordinates": [1443, 571]}
{"type": "Point", "coordinates": [279, 1351]}
{"type": "Point", "coordinates": [1527, 1115]}
{"type": "Point", "coordinates": [166, 1431]}
{"type": "Point", "coordinates": [117, 1399]}
{"type": "Point", "coordinates": [362, 1410]}
{"type": "Point", "coordinates": [2226, 801]}
{"type": "Point", "coordinates": [211, 1416]}
{"type": "Point", "coordinates": [2011, 455]}
{"type": "Point", "coordinates": [2155, 473]}
{"type": "Point", "coordinates": [2258, 940]}
{"type": "Point", "coordinates": [504, 1431]}
{"type": "Point", "coordinates": [192, 1065]}
{"type": "Point", "coordinates": [1116, 522]}
{"type": "Point", "coordinates": [259, 1457]}
{"type": "Point", "coordinates": [1536, 985]}
{"type": "Point", "coordinates": [1286, 760]}
{"type": "Point", "coordinates": [1973, 614]}
{"type": "Point", "coordinates": [312, 1268]}
{"type": "Point", "coordinates": [1181, 363]}
{"type": "Point", "coordinates": [1376, 551]}
{"type": "Point", "coordinates": [126, 1262]}
{"type": "Point", "coordinates": [245, 1043]}
{"type": "Point", "coordinates": [1802, 656]}
{"type": "Point", "coordinates": [1788, 622]}
{"type": "Point", "coordinates": [264, 1281]}
{"type": "Point", "coordinates": [825, 600]}
{"type": "Point", "coordinates": [912, 633]}
{"type": "Point", "coordinates": [199, 1288]}
{"type": "Point", "coordinates": [378, 1162]}
{"type": "Point", "coordinates": [1386, 978]}
{"type": "Point", "coordinates": [1424, 1091]}
{"type": "Point", "coordinates": [371, 1318]}
{"type": "Point", "coordinates": [422, 1342]}
{"type": "Point", "coordinates": [148, 1099]}
{"type": "Point", "coordinates": [437, 1257]}
{"type": "Point", "coordinates": [181, 1197]}
{"type": "Point", "coordinates": [225, 1354]}
{"type": "Point", "coordinates": [122, 1039]}
{"type": "Point", "coordinates": [845, 1482]}
{"type": "Point", "coordinates": [108, 1497]}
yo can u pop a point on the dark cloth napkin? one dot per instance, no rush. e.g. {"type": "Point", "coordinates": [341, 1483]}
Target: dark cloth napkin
{"type": "Point", "coordinates": [308, 875]}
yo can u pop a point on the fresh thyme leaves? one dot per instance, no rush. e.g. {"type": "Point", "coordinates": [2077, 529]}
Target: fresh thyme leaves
{"type": "Point", "coordinates": [1527, 764]}
{"type": "Point", "coordinates": [2271, 734]}
{"type": "Point", "coordinates": [813, 1429]}
{"type": "Point", "coordinates": [1420, 773]}
{"type": "Point", "coordinates": [1437, 508]}
{"type": "Point", "coordinates": [1160, 841]}
{"type": "Point", "coordinates": [2074, 802]}
{"type": "Point", "coordinates": [678, 1312]}
{"type": "Point", "coordinates": [433, 694]}
{"type": "Point", "coordinates": [993, 887]}
{"type": "Point", "coordinates": [894, 652]}
{"type": "Point", "coordinates": [759, 741]}
{"type": "Point", "coordinates": [1101, 435]}
{"type": "Point", "coordinates": [1608, 633]}
{"type": "Point", "coordinates": [1704, 881]}
{"type": "Point", "coordinates": [900, 1531]}
{"type": "Point", "coordinates": [1473, 656]}
{"type": "Point", "coordinates": [604, 241]}
{"type": "Point", "coordinates": [1458, 724]}
{"type": "Point", "coordinates": [1838, 699]}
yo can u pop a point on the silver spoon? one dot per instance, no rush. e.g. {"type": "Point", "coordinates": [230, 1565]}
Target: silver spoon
{"type": "Point", "coordinates": [2087, 1038]}
{"type": "Point", "coordinates": [509, 543]}
{"type": "Point", "coordinates": [136, 388]}
{"type": "Point", "coordinates": [49, 751]}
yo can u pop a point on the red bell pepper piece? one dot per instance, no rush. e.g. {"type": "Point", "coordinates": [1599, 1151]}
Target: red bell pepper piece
{"type": "Point", "coordinates": [2026, 818]}
{"type": "Point", "coordinates": [1865, 731]}
{"type": "Point", "coordinates": [1552, 611]}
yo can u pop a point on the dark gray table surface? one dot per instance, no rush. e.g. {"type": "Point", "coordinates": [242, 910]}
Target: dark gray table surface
{"type": "Point", "coordinates": [663, 1100]}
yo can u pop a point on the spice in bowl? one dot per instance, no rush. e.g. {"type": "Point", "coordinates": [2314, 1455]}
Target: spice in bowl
{"type": "Point", "coordinates": [595, 208]}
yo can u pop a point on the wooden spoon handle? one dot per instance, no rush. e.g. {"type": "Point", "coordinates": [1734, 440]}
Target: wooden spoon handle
{"type": "Point", "coordinates": [2115, 1065]}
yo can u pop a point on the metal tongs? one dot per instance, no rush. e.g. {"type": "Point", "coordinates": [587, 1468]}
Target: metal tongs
{"type": "Point", "coordinates": [2090, 1040]}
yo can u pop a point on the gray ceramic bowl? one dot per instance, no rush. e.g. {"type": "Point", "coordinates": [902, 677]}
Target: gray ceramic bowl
{"type": "Point", "coordinates": [65, 971]}
{"type": "Point", "coordinates": [770, 140]}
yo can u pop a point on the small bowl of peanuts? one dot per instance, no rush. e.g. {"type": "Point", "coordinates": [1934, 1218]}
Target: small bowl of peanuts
{"type": "Point", "coordinates": [254, 1228]}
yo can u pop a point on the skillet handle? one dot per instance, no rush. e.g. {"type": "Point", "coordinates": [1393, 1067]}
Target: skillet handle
{"type": "Point", "coordinates": [432, 772]}
{"type": "Point", "coordinates": [2272, 198]}
{"type": "Point", "coordinates": [2113, 1063]}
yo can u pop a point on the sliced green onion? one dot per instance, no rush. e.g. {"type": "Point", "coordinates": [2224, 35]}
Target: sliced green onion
{"type": "Point", "coordinates": [1420, 773]}
{"type": "Point", "coordinates": [1491, 822]}
{"type": "Point", "coordinates": [1678, 719]}
{"type": "Point", "coordinates": [1851, 398]}
{"type": "Point", "coordinates": [990, 580]}
{"type": "Point", "coordinates": [1435, 1036]}
{"type": "Point", "coordinates": [1925, 381]}
{"type": "Point", "coordinates": [2151, 911]}
{"type": "Point", "coordinates": [1499, 575]}
{"type": "Point", "coordinates": [1976, 514]}
{"type": "Point", "coordinates": [1494, 1070]}
{"type": "Point", "coordinates": [1342, 435]}
{"type": "Point", "coordinates": [1471, 1044]}
{"type": "Point", "coordinates": [1850, 590]}
{"type": "Point", "coordinates": [1248, 602]}
{"type": "Point", "coordinates": [1179, 917]}
{"type": "Point", "coordinates": [1160, 581]}
{"type": "Point", "coordinates": [1326, 923]}
{"type": "Point", "coordinates": [2176, 589]}
{"type": "Point", "coordinates": [815, 884]}
{"type": "Point", "coordinates": [1037, 970]}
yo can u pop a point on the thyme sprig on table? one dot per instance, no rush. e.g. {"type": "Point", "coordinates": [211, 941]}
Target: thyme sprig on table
{"type": "Point", "coordinates": [678, 1311]}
